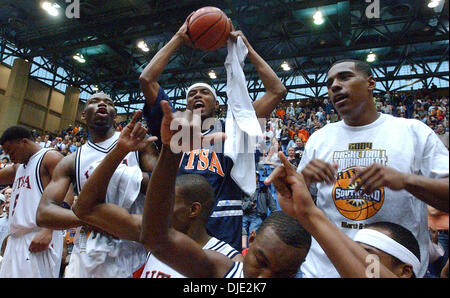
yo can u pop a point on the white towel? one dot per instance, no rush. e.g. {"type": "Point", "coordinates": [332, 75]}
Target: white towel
{"type": "Point", "coordinates": [124, 186]}
{"type": "Point", "coordinates": [241, 125]}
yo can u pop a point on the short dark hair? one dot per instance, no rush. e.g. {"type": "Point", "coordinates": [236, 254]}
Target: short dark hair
{"type": "Point", "coordinates": [195, 188]}
{"type": "Point", "coordinates": [360, 66]}
{"type": "Point", "coordinates": [399, 234]}
{"type": "Point", "coordinates": [288, 229]}
{"type": "Point", "coordinates": [16, 133]}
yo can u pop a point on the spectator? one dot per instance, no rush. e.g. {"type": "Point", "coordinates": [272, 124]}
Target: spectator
{"type": "Point", "coordinates": [438, 223]}
{"type": "Point", "coordinates": [442, 134]}
{"type": "Point", "coordinates": [292, 157]}
{"type": "Point", "coordinates": [256, 208]}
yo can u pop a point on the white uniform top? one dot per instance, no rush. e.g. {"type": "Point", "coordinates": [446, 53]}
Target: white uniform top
{"type": "Point", "coordinates": [95, 254]}
{"type": "Point", "coordinates": [26, 194]}
{"type": "Point", "coordinates": [406, 145]}
{"type": "Point", "coordinates": [154, 268]}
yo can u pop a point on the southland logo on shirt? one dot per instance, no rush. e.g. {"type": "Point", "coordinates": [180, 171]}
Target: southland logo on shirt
{"type": "Point", "coordinates": [353, 204]}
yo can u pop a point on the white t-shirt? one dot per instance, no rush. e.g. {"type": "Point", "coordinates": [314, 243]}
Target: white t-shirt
{"type": "Point", "coordinates": [406, 145]}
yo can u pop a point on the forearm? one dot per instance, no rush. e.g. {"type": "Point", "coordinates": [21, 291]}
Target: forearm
{"type": "Point", "coordinates": [53, 216]}
{"type": "Point", "coordinates": [347, 256]}
{"type": "Point", "coordinates": [160, 199]}
{"type": "Point", "coordinates": [94, 191]}
{"type": "Point", "coordinates": [149, 77]}
{"type": "Point", "coordinates": [275, 90]}
{"type": "Point", "coordinates": [433, 192]}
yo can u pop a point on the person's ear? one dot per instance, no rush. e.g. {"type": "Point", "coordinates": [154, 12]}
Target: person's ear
{"type": "Point", "coordinates": [405, 271]}
{"type": "Point", "coordinates": [372, 83]}
{"type": "Point", "coordinates": [195, 210]}
{"type": "Point", "coordinates": [251, 238]}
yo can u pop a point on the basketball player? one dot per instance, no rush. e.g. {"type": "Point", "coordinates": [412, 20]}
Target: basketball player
{"type": "Point", "coordinates": [225, 221]}
{"type": "Point", "coordinates": [194, 203]}
{"type": "Point", "coordinates": [94, 254]}
{"type": "Point", "coordinates": [279, 246]}
{"type": "Point", "coordinates": [31, 251]}
{"type": "Point", "coordinates": [381, 249]}
{"type": "Point", "coordinates": [372, 167]}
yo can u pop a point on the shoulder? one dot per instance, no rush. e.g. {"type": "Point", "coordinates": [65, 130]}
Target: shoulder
{"type": "Point", "coordinates": [51, 158]}
{"type": "Point", "coordinates": [414, 126]}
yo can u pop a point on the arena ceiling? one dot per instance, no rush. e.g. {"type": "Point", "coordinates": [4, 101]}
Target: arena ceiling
{"type": "Point", "coordinates": [405, 32]}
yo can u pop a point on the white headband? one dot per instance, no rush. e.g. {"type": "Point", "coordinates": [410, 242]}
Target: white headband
{"type": "Point", "coordinates": [202, 85]}
{"type": "Point", "coordinates": [389, 246]}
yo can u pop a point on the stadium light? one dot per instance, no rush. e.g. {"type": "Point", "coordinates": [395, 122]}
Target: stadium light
{"type": "Point", "coordinates": [212, 74]}
{"type": "Point", "coordinates": [50, 8]}
{"type": "Point", "coordinates": [433, 3]}
{"type": "Point", "coordinates": [79, 58]}
{"type": "Point", "coordinates": [95, 88]}
{"type": "Point", "coordinates": [318, 17]}
{"type": "Point", "coordinates": [285, 66]}
{"type": "Point", "coordinates": [143, 46]}
{"type": "Point", "coordinates": [371, 57]}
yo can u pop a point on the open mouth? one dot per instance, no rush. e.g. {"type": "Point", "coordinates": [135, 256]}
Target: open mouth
{"type": "Point", "coordinates": [102, 112]}
{"type": "Point", "coordinates": [340, 97]}
{"type": "Point", "coordinates": [198, 105]}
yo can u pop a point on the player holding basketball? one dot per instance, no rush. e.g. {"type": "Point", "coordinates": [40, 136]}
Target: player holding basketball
{"type": "Point", "coordinates": [372, 167]}
{"type": "Point", "coordinates": [225, 221]}
{"type": "Point", "coordinates": [94, 254]}
{"type": "Point", "coordinates": [31, 251]}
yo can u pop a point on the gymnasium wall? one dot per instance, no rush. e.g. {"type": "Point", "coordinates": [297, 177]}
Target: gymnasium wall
{"type": "Point", "coordinates": [41, 108]}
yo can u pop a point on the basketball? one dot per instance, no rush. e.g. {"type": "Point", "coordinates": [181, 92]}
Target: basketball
{"type": "Point", "coordinates": [355, 206]}
{"type": "Point", "coordinates": [209, 28]}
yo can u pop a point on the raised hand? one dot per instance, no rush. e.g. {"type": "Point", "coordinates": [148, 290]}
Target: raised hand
{"type": "Point", "coordinates": [183, 32]}
{"type": "Point", "coordinates": [293, 193]}
{"type": "Point", "coordinates": [134, 136]}
{"type": "Point", "coordinates": [182, 130]}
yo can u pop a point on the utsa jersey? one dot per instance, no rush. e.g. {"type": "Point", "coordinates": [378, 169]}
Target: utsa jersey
{"type": "Point", "coordinates": [225, 221]}
{"type": "Point", "coordinates": [99, 255]}
{"type": "Point", "coordinates": [26, 194]}
{"type": "Point", "coordinates": [237, 271]}
{"type": "Point", "coordinates": [154, 268]}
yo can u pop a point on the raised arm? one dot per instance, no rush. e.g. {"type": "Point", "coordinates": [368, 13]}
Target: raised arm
{"type": "Point", "coordinates": [148, 79]}
{"type": "Point", "coordinates": [91, 206]}
{"type": "Point", "coordinates": [275, 90]}
{"type": "Point", "coordinates": [174, 248]}
{"type": "Point", "coordinates": [348, 257]}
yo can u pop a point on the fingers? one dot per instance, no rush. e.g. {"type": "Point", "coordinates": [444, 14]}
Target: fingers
{"type": "Point", "coordinates": [278, 172]}
{"type": "Point", "coordinates": [290, 169]}
{"type": "Point", "coordinates": [368, 179]}
{"type": "Point", "coordinates": [136, 117]}
{"type": "Point", "coordinates": [167, 110]}
{"type": "Point", "coordinates": [320, 171]}
{"type": "Point", "coordinates": [232, 26]}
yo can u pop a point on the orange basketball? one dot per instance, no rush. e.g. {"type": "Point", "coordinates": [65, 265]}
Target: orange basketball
{"type": "Point", "coordinates": [354, 205]}
{"type": "Point", "coordinates": [209, 28]}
